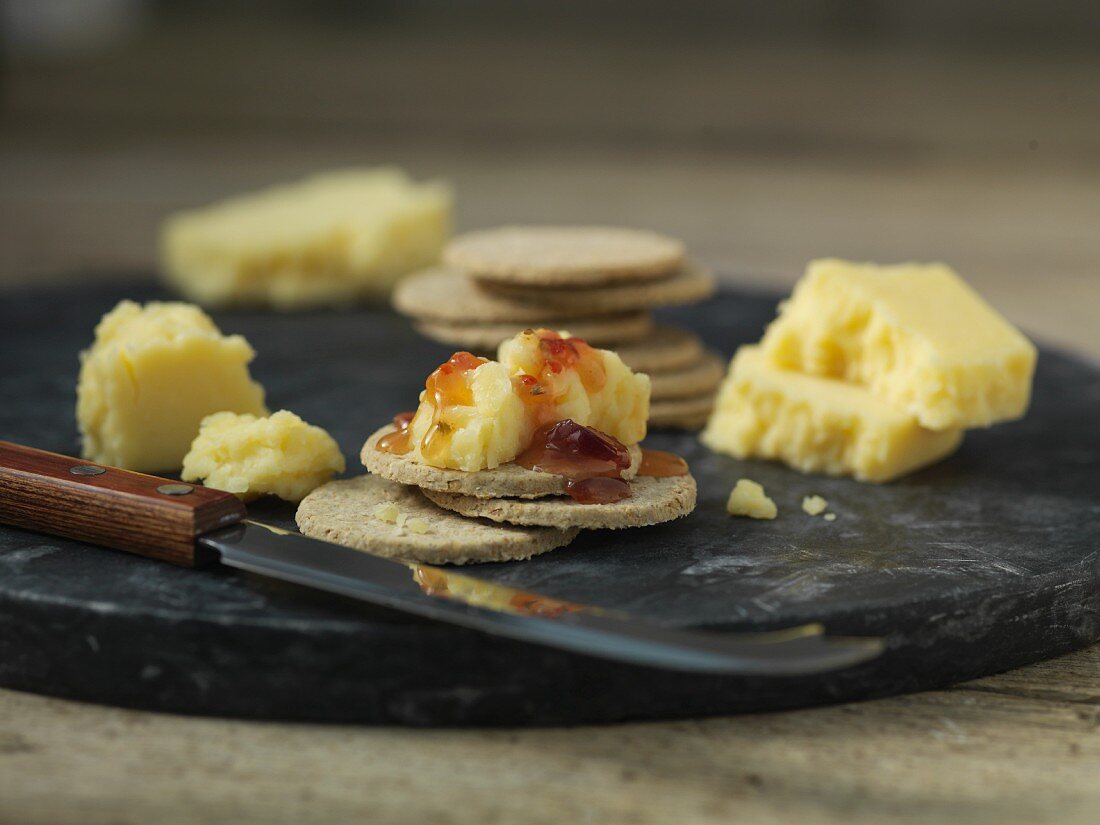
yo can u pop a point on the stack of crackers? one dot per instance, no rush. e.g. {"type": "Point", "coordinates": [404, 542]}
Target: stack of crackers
{"type": "Point", "coordinates": [598, 283]}
{"type": "Point", "coordinates": [416, 512]}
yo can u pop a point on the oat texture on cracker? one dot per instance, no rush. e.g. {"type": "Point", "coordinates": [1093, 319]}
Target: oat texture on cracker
{"type": "Point", "coordinates": [652, 501]}
{"type": "Point", "coordinates": [564, 255]}
{"type": "Point", "coordinates": [604, 331]}
{"type": "Point", "coordinates": [688, 284]}
{"type": "Point", "coordinates": [344, 512]}
{"type": "Point", "coordinates": [506, 480]}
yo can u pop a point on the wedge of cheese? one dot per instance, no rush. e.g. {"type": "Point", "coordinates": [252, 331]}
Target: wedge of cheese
{"type": "Point", "coordinates": [330, 239]}
{"type": "Point", "coordinates": [151, 376]}
{"type": "Point", "coordinates": [817, 425]}
{"type": "Point", "coordinates": [915, 335]}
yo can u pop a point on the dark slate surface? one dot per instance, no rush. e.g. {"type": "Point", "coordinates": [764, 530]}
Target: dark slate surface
{"type": "Point", "coordinates": [984, 562]}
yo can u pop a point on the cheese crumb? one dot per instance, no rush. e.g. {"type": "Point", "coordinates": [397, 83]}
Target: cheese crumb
{"type": "Point", "coordinates": [829, 517]}
{"type": "Point", "coordinates": [387, 511]}
{"type": "Point", "coordinates": [749, 499]}
{"type": "Point", "coordinates": [418, 525]}
{"type": "Point", "coordinates": [814, 505]}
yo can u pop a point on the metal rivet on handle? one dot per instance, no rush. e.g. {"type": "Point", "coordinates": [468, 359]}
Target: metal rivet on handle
{"type": "Point", "coordinates": [174, 489]}
{"type": "Point", "coordinates": [87, 470]}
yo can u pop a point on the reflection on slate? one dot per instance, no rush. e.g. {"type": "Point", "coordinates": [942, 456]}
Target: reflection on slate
{"type": "Point", "coordinates": [983, 562]}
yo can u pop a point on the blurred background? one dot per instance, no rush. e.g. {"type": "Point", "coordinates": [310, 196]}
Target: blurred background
{"type": "Point", "coordinates": [763, 134]}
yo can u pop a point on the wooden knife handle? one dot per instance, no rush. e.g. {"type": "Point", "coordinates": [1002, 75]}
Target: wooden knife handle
{"type": "Point", "coordinates": [142, 514]}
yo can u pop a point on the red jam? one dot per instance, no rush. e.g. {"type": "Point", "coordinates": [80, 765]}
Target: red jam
{"type": "Point", "coordinates": [591, 462]}
{"type": "Point", "coordinates": [659, 464]}
{"type": "Point", "coordinates": [560, 354]}
{"type": "Point", "coordinates": [397, 442]}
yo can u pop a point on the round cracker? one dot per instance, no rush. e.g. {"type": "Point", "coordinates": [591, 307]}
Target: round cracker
{"type": "Point", "coordinates": [505, 480]}
{"type": "Point", "coordinates": [607, 330]}
{"type": "Point", "coordinates": [564, 255]}
{"type": "Point", "coordinates": [448, 295]}
{"type": "Point", "coordinates": [701, 378]}
{"type": "Point", "coordinates": [343, 512]}
{"type": "Point", "coordinates": [652, 501]}
{"type": "Point", "coordinates": [665, 348]}
{"type": "Point", "coordinates": [681, 413]}
{"type": "Point", "coordinates": [690, 283]}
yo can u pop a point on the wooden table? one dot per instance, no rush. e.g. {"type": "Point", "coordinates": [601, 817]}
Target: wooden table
{"type": "Point", "coordinates": [761, 157]}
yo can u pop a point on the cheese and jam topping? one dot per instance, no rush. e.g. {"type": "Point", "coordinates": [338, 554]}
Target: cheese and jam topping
{"type": "Point", "coordinates": [477, 414]}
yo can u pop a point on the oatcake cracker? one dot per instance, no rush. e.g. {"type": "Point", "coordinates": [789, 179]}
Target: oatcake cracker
{"type": "Point", "coordinates": [599, 332]}
{"type": "Point", "coordinates": [441, 294]}
{"type": "Point", "coordinates": [701, 378]}
{"type": "Point", "coordinates": [564, 255]}
{"type": "Point", "coordinates": [683, 413]}
{"type": "Point", "coordinates": [652, 501]}
{"type": "Point", "coordinates": [348, 513]}
{"type": "Point", "coordinates": [690, 283]}
{"type": "Point", "coordinates": [506, 480]}
{"type": "Point", "coordinates": [665, 348]}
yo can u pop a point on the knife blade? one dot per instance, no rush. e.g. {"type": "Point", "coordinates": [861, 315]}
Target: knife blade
{"type": "Point", "coordinates": [191, 526]}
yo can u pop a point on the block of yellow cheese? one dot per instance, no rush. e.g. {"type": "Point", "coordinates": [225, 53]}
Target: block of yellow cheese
{"type": "Point", "coordinates": [914, 334]}
{"type": "Point", "coordinates": [817, 425]}
{"type": "Point", "coordinates": [151, 376]}
{"type": "Point", "coordinates": [278, 455]}
{"type": "Point", "coordinates": [485, 412]}
{"type": "Point", "coordinates": [329, 239]}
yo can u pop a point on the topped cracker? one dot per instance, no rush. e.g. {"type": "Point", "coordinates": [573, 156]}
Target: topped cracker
{"type": "Point", "coordinates": [505, 480]}
{"type": "Point", "coordinates": [564, 255]}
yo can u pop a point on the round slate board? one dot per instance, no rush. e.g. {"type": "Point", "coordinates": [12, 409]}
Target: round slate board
{"type": "Point", "coordinates": [982, 563]}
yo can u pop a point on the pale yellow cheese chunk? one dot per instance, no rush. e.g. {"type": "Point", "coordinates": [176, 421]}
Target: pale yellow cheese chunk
{"type": "Point", "coordinates": [496, 425]}
{"type": "Point", "coordinates": [914, 334]}
{"type": "Point", "coordinates": [329, 239]}
{"type": "Point", "coordinates": [817, 425]}
{"type": "Point", "coordinates": [151, 376]}
{"type": "Point", "coordinates": [279, 455]}
{"type": "Point", "coordinates": [747, 498]}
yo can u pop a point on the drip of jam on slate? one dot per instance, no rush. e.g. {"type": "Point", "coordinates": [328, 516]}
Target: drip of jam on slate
{"type": "Point", "coordinates": [591, 462]}
{"type": "Point", "coordinates": [659, 464]}
{"type": "Point", "coordinates": [397, 442]}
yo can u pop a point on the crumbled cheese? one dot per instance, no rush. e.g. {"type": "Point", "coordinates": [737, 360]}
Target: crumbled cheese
{"type": "Point", "coordinates": [418, 525]}
{"type": "Point", "coordinates": [814, 505]}
{"type": "Point", "coordinates": [387, 511]}
{"type": "Point", "coordinates": [749, 499]}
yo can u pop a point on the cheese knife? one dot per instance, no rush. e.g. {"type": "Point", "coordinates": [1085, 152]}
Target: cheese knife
{"type": "Point", "coordinates": [194, 526]}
